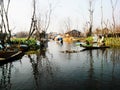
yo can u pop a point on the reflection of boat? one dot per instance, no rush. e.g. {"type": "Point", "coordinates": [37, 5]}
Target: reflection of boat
{"type": "Point", "coordinates": [8, 56]}
{"type": "Point", "coordinates": [90, 47]}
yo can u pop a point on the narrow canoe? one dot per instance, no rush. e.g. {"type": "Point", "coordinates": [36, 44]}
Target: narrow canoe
{"type": "Point", "coordinates": [90, 47]}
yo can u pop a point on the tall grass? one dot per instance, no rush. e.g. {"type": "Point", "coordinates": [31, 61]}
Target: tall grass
{"type": "Point", "coordinates": [110, 41]}
{"type": "Point", "coordinates": [113, 41]}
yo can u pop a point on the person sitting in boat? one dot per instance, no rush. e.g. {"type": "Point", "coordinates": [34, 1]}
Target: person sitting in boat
{"type": "Point", "coordinates": [95, 38]}
{"type": "Point", "coordinates": [101, 41]}
{"type": "Point", "coordinates": [87, 43]}
{"type": "Point", "coordinates": [61, 40]}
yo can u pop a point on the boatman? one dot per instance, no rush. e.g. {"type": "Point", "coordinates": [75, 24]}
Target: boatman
{"type": "Point", "coordinates": [101, 41]}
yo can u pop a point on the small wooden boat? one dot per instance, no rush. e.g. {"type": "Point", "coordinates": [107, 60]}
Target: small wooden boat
{"type": "Point", "coordinates": [8, 56]}
{"type": "Point", "coordinates": [90, 47]}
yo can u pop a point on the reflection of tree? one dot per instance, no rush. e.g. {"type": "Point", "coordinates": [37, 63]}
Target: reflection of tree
{"type": "Point", "coordinates": [91, 83]}
{"type": "Point", "coordinates": [108, 60]}
{"type": "Point", "coordinates": [103, 55]}
{"type": "Point", "coordinates": [5, 81]}
{"type": "Point", "coordinates": [42, 67]}
{"type": "Point", "coordinates": [115, 57]}
{"type": "Point", "coordinates": [91, 70]}
{"type": "Point", "coordinates": [111, 56]}
{"type": "Point", "coordinates": [88, 83]}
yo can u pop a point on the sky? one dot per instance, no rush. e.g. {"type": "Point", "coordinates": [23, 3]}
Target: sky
{"type": "Point", "coordinates": [20, 13]}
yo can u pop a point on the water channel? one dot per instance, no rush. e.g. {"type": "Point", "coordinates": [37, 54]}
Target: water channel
{"type": "Point", "coordinates": [54, 70]}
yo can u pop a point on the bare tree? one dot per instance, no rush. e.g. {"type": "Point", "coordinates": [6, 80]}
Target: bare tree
{"type": "Point", "coordinates": [113, 12]}
{"type": "Point", "coordinates": [48, 18]}
{"type": "Point", "coordinates": [68, 24]}
{"type": "Point", "coordinates": [101, 15]}
{"type": "Point", "coordinates": [33, 26]}
{"type": "Point", "coordinates": [4, 16]}
{"type": "Point", "coordinates": [7, 20]}
{"type": "Point", "coordinates": [91, 11]}
{"type": "Point", "coordinates": [43, 23]}
{"type": "Point", "coordinates": [4, 26]}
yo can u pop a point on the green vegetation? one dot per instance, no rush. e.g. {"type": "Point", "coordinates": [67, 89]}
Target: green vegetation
{"type": "Point", "coordinates": [32, 43]}
{"type": "Point", "coordinates": [90, 39]}
{"type": "Point", "coordinates": [112, 41]}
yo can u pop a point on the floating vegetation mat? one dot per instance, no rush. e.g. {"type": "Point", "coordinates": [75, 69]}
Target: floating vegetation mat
{"type": "Point", "coordinates": [69, 51]}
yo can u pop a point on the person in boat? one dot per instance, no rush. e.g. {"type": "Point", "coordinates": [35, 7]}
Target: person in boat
{"type": "Point", "coordinates": [87, 43]}
{"type": "Point", "coordinates": [95, 38]}
{"type": "Point", "coordinates": [101, 41]}
{"type": "Point", "coordinates": [61, 40]}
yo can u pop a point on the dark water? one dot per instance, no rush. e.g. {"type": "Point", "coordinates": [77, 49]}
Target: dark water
{"type": "Point", "coordinates": [53, 70]}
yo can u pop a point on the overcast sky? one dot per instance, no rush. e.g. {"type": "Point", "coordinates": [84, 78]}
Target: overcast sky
{"type": "Point", "coordinates": [20, 13]}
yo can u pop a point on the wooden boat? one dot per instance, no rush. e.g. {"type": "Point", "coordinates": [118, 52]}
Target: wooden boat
{"type": "Point", "coordinates": [8, 56]}
{"type": "Point", "coordinates": [90, 47]}
{"type": "Point", "coordinates": [11, 52]}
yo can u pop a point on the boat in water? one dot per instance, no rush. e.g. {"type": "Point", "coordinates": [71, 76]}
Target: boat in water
{"type": "Point", "coordinates": [90, 47]}
{"type": "Point", "coordinates": [9, 56]}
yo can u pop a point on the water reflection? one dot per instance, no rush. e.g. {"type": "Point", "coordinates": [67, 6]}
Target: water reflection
{"type": "Point", "coordinates": [69, 47]}
{"type": "Point", "coordinates": [5, 80]}
{"type": "Point", "coordinates": [90, 82]}
{"type": "Point", "coordinates": [107, 68]}
{"type": "Point", "coordinates": [42, 69]}
{"type": "Point", "coordinates": [50, 70]}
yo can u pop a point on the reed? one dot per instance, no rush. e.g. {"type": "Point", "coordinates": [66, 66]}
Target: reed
{"type": "Point", "coordinates": [113, 41]}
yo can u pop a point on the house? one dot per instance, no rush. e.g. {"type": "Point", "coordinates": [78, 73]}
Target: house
{"type": "Point", "coordinates": [74, 33]}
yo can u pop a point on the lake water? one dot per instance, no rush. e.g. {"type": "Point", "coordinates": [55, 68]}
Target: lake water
{"type": "Point", "coordinates": [54, 70]}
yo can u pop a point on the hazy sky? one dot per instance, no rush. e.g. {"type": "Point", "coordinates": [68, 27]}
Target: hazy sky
{"type": "Point", "coordinates": [20, 13]}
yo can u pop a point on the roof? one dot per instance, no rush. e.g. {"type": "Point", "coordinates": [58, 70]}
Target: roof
{"type": "Point", "coordinates": [73, 31]}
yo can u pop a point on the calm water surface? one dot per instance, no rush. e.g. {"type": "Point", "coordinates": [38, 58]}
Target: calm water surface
{"type": "Point", "coordinates": [54, 70]}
